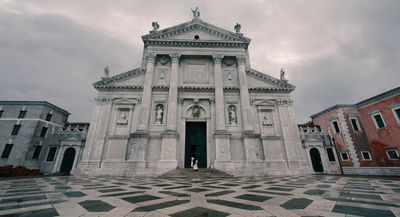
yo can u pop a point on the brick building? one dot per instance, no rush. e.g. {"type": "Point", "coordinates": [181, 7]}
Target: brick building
{"type": "Point", "coordinates": [24, 126]}
{"type": "Point", "coordinates": [366, 134]}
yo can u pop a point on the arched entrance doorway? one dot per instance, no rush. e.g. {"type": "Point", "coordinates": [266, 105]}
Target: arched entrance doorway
{"type": "Point", "coordinates": [316, 160]}
{"type": "Point", "coordinates": [68, 161]}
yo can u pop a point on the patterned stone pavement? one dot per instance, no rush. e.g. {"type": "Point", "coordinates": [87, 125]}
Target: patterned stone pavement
{"type": "Point", "coordinates": [178, 197]}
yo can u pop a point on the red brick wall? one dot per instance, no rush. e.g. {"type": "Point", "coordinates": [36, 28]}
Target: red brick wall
{"type": "Point", "coordinates": [380, 140]}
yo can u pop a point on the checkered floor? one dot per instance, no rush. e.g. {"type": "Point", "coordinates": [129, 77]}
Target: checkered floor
{"type": "Point", "coordinates": [178, 197]}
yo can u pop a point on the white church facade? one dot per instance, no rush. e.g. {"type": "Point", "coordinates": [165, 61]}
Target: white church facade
{"type": "Point", "coordinates": [195, 95]}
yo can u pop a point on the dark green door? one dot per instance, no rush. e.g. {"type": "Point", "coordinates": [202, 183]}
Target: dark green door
{"type": "Point", "coordinates": [68, 161]}
{"type": "Point", "coordinates": [316, 160]}
{"type": "Point", "coordinates": [196, 143]}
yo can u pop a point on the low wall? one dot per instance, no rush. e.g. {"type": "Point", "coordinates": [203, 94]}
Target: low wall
{"type": "Point", "coordinates": [380, 171]}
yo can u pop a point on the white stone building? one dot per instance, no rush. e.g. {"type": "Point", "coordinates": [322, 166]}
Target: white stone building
{"type": "Point", "coordinates": [195, 95]}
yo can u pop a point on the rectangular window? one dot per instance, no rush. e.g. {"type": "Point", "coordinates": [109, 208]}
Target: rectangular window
{"type": "Point", "coordinates": [36, 153]}
{"type": "Point", "coordinates": [15, 130]}
{"type": "Point", "coordinates": [355, 124]}
{"type": "Point", "coordinates": [7, 151]}
{"type": "Point", "coordinates": [379, 121]}
{"type": "Point", "coordinates": [366, 155]}
{"type": "Point", "coordinates": [51, 154]}
{"type": "Point", "coordinates": [392, 154]}
{"type": "Point", "coordinates": [336, 126]}
{"type": "Point", "coordinates": [344, 156]}
{"type": "Point", "coordinates": [22, 114]}
{"type": "Point", "coordinates": [43, 132]}
{"type": "Point", "coordinates": [396, 112]}
{"type": "Point", "coordinates": [1, 113]}
{"type": "Point", "coordinates": [48, 117]}
{"type": "Point", "coordinates": [331, 156]}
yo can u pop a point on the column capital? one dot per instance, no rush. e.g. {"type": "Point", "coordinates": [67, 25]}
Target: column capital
{"type": "Point", "coordinates": [175, 57]}
{"type": "Point", "coordinates": [217, 58]}
{"type": "Point", "coordinates": [150, 57]}
{"type": "Point", "coordinates": [241, 59]}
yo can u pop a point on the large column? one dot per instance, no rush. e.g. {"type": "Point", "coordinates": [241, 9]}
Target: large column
{"type": "Point", "coordinates": [222, 138]}
{"type": "Point", "coordinates": [244, 95]}
{"type": "Point", "coordinates": [219, 94]}
{"type": "Point", "coordinates": [170, 136]}
{"type": "Point", "coordinates": [145, 107]}
{"type": "Point", "coordinates": [173, 93]}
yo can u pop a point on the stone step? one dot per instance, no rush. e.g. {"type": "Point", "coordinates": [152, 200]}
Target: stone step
{"type": "Point", "coordinates": [201, 173]}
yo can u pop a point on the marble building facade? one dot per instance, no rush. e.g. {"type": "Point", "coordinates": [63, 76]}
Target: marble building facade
{"type": "Point", "coordinates": [195, 95]}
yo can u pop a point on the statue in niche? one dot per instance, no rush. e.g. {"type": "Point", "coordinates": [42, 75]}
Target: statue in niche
{"type": "Point", "coordinates": [196, 13]}
{"type": "Point", "coordinates": [162, 75]}
{"type": "Point", "coordinates": [229, 76]}
{"type": "Point", "coordinates": [196, 111]}
{"type": "Point", "coordinates": [232, 115]}
{"type": "Point", "coordinates": [159, 113]}
{"type": "Point", "coordinates": [237, 28]}
{"type": "Point", "coordinates": [267, 119]}
{"type": "Point", "coordinates": [155, 26]}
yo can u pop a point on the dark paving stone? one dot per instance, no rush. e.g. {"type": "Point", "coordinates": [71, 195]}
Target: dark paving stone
{"type": "Point", "coordinates": [50, 212]}
{"type": "Point", "coordinates": [270, 192]}
{"type": "Point", "coordinates": [118, 183]}
{"type": "Point", "coordinates": [199, 212]}
{"type": "Point", "coordinates": [397, 190]}
{"type": "Point", "coordinates": [162, 185]}
{"type": "Point", "coordinates": [234, 204]}
{"type": "Point", "coordinates": [315, 192]}
{"type": "Point", "coordinates": [62, 187]}
{"type": "Point", "coordinates": [280, 189]}
{"type": "Point", "coordinates": [230, 184]}
{"type": "Point", "coordinates": [101, 187]}
{"type": "Point", "coordinates": [19, 206]}
{"type": "Point", "coordinates": [74, 194]}
{"type": "Point", "coordinates": [362, 211]}
{"type": "Point", "coordinates": [96, 206]}
{"type": "Point", "coordinates": [197, 189]}
{"type": "Point", "coordinates": [323, 186]}
{"type": "Point", "coordinates": [161, 205]}
{"type": "Point", "coordinates": [251, 186]}
{"type": "Point", "coordinates": [172, 193]}
{"type": "Point", "coordinates": [140, 187]}
{"type": "Point", "coordinates": [216, 187]}
{"type": "Point", "coordinates": [253, 197]}
{"type": "Point", "coordinates": [141, 198]}
{"type": "Point", "coordinates": [352, 200]}
{"type": "Point", "coordinates": [23, 190]}
{"type": "Point", "coordinates": [121, 194]}
{"type": "Point", "coordinates": [220, 193]}
{"type": "Point", "coordinates": [23, 199]}
{"type": "Point", "coordinates": [364, 196]}
{"type": "Point", "coordinates": [110, 190]}
{"type": "Point", "coordinates": [178, 187]}
{"type": "Point", "coordinates": [296, 203]}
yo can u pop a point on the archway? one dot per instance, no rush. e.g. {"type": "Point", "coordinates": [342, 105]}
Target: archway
{"type": "Point", "coordinates": [68, 161]}
{"type": "Point", "coordinates": [316, 160]}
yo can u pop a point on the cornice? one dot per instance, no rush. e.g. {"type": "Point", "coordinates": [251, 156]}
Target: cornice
{"type": "Point", "coordinates": [121, 76]}
{"type": "Point", "coordinates": [191, 43]}
{"type": "Point", "coordinates": [269, 89]}
{"type": "Point", "coordinates": [196, 88]}
{"type": "Point", "coordinates": [265, 77]}
{"type": "Point", "coordinates": [379, 97]}
{"type": "Point", "coordinates": [118, 87]}
{"type": "Point", "coordinates": [35, 103]}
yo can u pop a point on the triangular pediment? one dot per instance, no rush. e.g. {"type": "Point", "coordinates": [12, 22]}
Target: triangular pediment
{"type": "Point", "coordinates": [187, 32]}
{"type": "Point", "coordinates": [130, 78]}
{"type": "Point", "coordinates": [260, 81]}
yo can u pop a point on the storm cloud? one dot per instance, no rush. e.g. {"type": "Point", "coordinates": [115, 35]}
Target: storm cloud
{"type": "Point", "coordinates": [333, 51]}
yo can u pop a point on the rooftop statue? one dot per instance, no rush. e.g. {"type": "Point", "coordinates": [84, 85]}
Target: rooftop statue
{"type": "Point", "coordinates": [156, 26]}
{"type": "Point", "coordinates": [237, 28]}
{"type": "Point", "coordinates": [106, 72]}
{"type": "Point", "coordinates": [283, 75]}
{"type": "Point", "coordinates": [196, 13]}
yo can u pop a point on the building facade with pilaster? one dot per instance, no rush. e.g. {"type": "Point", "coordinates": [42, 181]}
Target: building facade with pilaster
{"type": "Point", "coordinates": [195, 95]}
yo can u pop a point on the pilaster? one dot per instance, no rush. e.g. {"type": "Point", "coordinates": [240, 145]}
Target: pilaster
{"type": "Point", "coordinates": [219, 94]}
{"type": "Point", "coordinates": [244, 95]}
{"type": "Point", "coordinates": [145, 107]}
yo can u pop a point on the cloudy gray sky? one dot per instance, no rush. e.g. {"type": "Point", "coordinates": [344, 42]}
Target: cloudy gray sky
{"type": "Point", "coordinates": [333, 51]}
